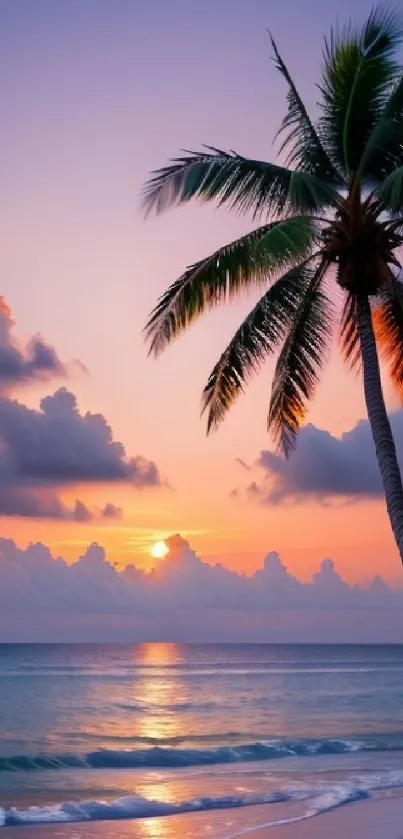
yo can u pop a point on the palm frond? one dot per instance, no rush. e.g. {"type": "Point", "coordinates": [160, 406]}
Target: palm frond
{"type": "Point", "coordinates": [258, 336]}
{"type": "Point", "coordinates": [383, 150]}
{"type": "Point", "coordinates": [299, 136]}
{"type": "Point", "coordinates": [360, 71]}
{"type": "Point", "coordinates": [350, 333]}
{"type": "Point", "coordinates": [245, 185]}
{"type": "Point", "coordinates": [394, 106]}
{"type": "Point", "coordinates": [388, 327]}
{"type": "Point", "coordinates": [252, 259]}
{"type": "Point", "coordinates": [300, 362]}
{"type": "Point", "coordinates": [390, 191]}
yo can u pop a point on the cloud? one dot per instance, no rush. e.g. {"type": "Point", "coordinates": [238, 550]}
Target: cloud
{"type": "Point", "coordinates": [21, 364]}
{"type": "Point", "coordinates": [184, 598]}
{"type": "Point", "coordinates": [45, 504]}
{"type": "Point", "coordinates": [81, 512]}
{"type": "Point", "coordinates": [110, 511]}
{"type": "Point", "coordinates": [26, 503]}
{"type": "Point", "coordinates": [46, 450]}
{"type": "Point", "coordinates": [57, 445]}
{"type": "Point", "coordinates": [324, 467]}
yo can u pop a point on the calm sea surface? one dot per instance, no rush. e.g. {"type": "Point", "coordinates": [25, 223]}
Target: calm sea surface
{"type": "Point", "coordinates": [89, 733]}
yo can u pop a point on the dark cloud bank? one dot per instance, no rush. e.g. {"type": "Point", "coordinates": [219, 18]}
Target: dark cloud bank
{"type": "Point", "coordinates": [185, 599]}
{"type": "Point", "coordinates": [324, 467]}
{"type": "Point", "coordinates": [55, 447]}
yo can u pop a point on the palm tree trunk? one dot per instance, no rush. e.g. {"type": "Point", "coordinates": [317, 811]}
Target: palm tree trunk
{"type": "Point", "coordinates": [380, 425]}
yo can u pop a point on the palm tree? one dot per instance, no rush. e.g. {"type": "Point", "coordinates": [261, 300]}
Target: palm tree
{"type": "Point", "coordinates": [332, 215]}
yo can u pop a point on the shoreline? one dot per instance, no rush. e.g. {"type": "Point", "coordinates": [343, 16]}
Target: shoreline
{"type": "Point", "coordinates": [376, 818]}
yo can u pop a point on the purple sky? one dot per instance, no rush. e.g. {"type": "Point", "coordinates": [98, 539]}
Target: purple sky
{"type": "Point", "coordinates": [95, 94]}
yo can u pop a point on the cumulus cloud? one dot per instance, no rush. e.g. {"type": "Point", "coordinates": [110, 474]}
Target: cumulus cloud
{"type": "Point", "coordinates": [324, 467]}
{"type": "Point", "coordinates": [58, 445]}
{"type": "Point", "coordinates": [45, 450]}
{"type": "Point", "coordinates": [185, 598]}
{"type": "Point", "coordinates": [20, 363]}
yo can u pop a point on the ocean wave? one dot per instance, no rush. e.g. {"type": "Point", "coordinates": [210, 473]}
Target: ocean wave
{"type": "Point", "coordinates": [329, 800]}
{"type": "Point", "coordinates": [162, 742]}
{"type": "Point", "coordinates": [136, 807]}
{"type": "Point", "coordinates": [127, 807]}
{"type": "Point", "coordinates": [171, 707]}
{"type": "Point", "coordinates": [160, 757]}
{"type": "Point", "coordinates": [314, 801]}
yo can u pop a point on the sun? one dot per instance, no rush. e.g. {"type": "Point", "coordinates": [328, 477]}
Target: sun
{"type": "Point", "coordinates": [159, 550]}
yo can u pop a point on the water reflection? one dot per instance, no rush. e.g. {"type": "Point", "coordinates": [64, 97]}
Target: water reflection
{"type": "Point", "coordinates": [173, 827]}
{"type": "Point", "coordinates": [156, 829]}
{"type": "Point", "coordinates": [161, 655]}
{"type": "Point", "coordinates": [136, 705]}
{"type": "Point", "coordinates": [162, 691]}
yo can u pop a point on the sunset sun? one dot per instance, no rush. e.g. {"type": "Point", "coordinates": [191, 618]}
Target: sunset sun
{"type": "Point", "coordinates": [159, 550]}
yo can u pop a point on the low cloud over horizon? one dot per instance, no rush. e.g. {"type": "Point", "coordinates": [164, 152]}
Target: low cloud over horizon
{"type": "Point", "coordinates": [185, 599]}
{"type": "Point", "coordinates": [46, 450]}
{"type": "Point", "coordinates": [322, 467]}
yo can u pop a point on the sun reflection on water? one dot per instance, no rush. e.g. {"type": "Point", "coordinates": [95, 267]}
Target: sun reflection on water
{"type": "Point", "coordinates": [161, 691]}
{"type": "Point", "coordinates": [156, 829]}
{"type": "Point", "coordinates": [146, 708]}
{"type": "Point", "coordinates": [170, 828]}
{"type": "Point", "coordinates": [162, 654]}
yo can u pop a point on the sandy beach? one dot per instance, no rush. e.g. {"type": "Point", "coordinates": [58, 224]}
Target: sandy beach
{"type": "Point", "coordinates": [381, 818]}
{"type": "Point", "coordinates": [378, 819]}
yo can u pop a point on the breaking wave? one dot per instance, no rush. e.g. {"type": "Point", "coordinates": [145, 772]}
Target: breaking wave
{"type": "Point", "coordinates": [160, 757]}
{"type": "Point", "coordinates": [135, 807]}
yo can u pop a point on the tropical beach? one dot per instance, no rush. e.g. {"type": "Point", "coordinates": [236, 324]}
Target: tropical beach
{"type": "Point", "coordinates": [201, 620]}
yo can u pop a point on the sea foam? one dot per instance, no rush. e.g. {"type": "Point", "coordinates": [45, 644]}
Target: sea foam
{"type": "Point", "coordinates": [136, 807]}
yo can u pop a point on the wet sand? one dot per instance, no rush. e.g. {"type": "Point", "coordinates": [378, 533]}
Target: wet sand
{"type": "Point", "coordinates": [375, 819]}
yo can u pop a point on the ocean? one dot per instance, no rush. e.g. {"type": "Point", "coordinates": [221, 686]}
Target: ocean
{"type": "Point", "coordinates": [92, 733]}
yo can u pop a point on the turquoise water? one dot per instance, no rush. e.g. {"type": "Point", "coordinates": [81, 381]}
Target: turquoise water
{"type": "Point", "coordinates": [111, 732]}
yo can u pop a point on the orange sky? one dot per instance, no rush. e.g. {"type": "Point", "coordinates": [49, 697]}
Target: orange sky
{"type": "Point", "coordinates": [202, 472]}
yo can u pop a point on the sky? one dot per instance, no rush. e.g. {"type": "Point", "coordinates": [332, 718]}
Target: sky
{"type": "Point", "coordinates": [99, 443]}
